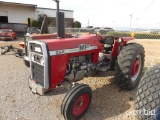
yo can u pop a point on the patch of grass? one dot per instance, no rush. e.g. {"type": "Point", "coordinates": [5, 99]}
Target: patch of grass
{"type": "Point", "coordinates": [137, 35]}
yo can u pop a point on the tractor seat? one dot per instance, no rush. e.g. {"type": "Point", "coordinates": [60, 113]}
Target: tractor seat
{"type": "Point", "coordinates": [108, 42]}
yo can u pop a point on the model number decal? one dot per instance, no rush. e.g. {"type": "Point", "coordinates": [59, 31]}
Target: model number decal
{"type": "Point", "coordinates": [81, 47]}
{"type": "Point", "coordinates": [58, 52]}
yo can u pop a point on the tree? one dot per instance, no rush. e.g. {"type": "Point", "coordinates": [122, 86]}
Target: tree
{"type": "Point", "coordinates": [77, 24]}
{"type": "Point", "coordinates": [38, 23]}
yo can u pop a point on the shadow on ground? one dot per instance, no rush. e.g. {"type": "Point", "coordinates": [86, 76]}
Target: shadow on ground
{"type": "Point", "coordinates": [109, 100]}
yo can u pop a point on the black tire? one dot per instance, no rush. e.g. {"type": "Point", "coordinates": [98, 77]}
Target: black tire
{"type": "Point", "coordinates": [27, 63]}
{"type": "Point", "coordinates": [72, 99]}
{"type": "Point", "coordinates": [148, 94]}
{"type": "Point", "coordinates": [129, 66]}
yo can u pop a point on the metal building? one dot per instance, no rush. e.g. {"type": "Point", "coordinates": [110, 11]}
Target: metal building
{"type": "Point", "coordinates": [16, 12]}
{"type": "Point", "coordinates": [20, 13]}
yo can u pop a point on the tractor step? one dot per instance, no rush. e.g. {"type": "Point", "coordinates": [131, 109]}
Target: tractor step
{"type": "Point", "coordinates": [103, 68]}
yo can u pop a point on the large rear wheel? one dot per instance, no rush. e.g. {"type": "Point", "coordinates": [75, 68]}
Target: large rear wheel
{"type": "Point", "coordinates": [76, 102]}
{"type": "Point", "coordinates": [148, 95]}
{"type": "Point", "coordinates": [129, 66]}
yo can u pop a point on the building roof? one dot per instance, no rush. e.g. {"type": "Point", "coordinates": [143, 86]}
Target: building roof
{"type": "Point", "coordinates": [54, 9]}
{"type": "Point", "coordinates": [19, 4]}
{"type": "Point", "coordinates": [29, 5]}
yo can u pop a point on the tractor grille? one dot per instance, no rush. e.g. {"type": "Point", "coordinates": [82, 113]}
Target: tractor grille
{"type": "Point", "coordinates": [39, 56]}
{"type": "Point", "coordinates": [26, 47]}
{"type": "Point", "coordinates": [38, 73]}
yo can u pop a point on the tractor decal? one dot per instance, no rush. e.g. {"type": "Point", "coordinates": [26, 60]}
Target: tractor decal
{"type": "Point", "coordinates": [82, 47]}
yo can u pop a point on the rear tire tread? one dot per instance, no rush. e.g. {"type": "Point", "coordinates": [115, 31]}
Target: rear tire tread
{"type": "Point", "coordinates": [148, 93]}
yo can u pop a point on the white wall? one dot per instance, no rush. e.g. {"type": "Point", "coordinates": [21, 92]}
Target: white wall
{"type": "Point", "coordinates": [3, 13]}
{"type": "Point", "coordinates": [17, 14]}
{"type": "Point", "coordinates": [20, 14]}
{"type": "Point", "coordinates": [52, 12]}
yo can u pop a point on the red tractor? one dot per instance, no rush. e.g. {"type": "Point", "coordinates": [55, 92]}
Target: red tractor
{"type": "Point", "coordinates": [64, 61]}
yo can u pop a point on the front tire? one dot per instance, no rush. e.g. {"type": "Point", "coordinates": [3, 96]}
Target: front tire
{"type": "Point", "coordinates": [76, 102]}
{"type": "Point", "coordinates": [129, 66]}
{"type": "Point", "coordinates": [148, 94]}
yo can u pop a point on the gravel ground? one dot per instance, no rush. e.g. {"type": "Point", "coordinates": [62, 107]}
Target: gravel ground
{"type": "Point", "coordinates": [108, 103]}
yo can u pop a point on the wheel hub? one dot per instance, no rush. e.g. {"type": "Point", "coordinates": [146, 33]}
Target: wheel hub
{"type": "Point", "coordinates": [136, 68]}
{"type": "Point", "coordinates": [80, 104]}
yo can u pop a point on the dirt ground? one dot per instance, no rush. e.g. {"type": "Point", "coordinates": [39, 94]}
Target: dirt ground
{"type": "Point", "coordinates": [108, 103]}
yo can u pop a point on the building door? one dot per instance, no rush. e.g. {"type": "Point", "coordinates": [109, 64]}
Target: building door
{"type": "Point", "coordinates": [3, 17]}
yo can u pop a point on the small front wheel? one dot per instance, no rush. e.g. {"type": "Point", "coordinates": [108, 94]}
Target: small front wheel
{"type": "Point", "coordinates": [76, 102]}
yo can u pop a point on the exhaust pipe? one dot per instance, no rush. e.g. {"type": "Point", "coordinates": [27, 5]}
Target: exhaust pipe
{"type": "Point", "coordinates": [60, 22]}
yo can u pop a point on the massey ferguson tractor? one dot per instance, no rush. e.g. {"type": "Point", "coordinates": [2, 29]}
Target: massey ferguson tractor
{"type": "Point", "coordinates": [65, 61]}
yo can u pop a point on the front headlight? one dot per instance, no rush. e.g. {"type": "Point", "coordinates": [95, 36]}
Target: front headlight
{"type": "Point", "coordinates": [120, 40]}
{"type": "Point", "coordinates": [37, 58]}
{"type": "Point", "coordinates": [32, 57]}
{"type": "Point", "coordinates": [42, 60]}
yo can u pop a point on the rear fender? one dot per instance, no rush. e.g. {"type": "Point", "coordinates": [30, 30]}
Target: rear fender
{"type": "Point", "coordinates": [125, 40]}
{"type": "Point", "coordinates": [118, 44]}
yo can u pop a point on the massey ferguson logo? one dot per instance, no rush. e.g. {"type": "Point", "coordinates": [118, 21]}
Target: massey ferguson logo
{"type": "Point", "coordinates": [83, 47]}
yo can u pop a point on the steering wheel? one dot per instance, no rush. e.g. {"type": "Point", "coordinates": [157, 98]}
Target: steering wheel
{"type": "Point", "coordinates": [101, 41]}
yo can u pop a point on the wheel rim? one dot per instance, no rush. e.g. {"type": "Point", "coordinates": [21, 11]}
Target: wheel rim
{"type": "Point", "coordinates": [80, 105]}
{"type": "Point", "coordinates": [136, 68]}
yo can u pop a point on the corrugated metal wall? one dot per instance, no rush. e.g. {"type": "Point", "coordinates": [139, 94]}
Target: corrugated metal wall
{"type": "Point", "coordinates": [3, 13]}
{"type": "Point", "coordinates": [18, 14]}
{"type": "Point", "coordinates": [52, 12]}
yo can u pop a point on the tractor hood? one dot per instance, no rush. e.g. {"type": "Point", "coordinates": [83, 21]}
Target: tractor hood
{"type": "Point", "coordinates": [46, 36]}
{"type": "Point", "coordinates": [69, 43]}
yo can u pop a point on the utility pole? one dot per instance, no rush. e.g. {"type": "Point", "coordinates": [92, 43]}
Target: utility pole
{"type": "Point", "coordinates": [88, 22]}
{"type": "Point", "coordinates": [137, 23]}
{"type": "Point", "coordinates": [113, 23]}
{"type": "Point", "coordinates": [130, 22]}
